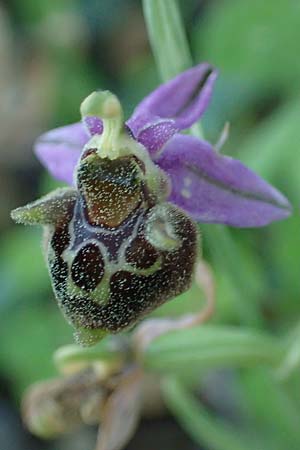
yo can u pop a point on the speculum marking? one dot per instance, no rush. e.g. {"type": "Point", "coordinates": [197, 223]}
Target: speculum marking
{"type": "Point", "coordinates": [88, 267]}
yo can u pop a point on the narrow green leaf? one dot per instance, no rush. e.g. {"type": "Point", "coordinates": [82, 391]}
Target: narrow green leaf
{"type": "Point", "coordinates": [211, 346]}
{"type": "Point", "coordinates": [199, 424]}
{"type": "Point", "coordinates": [272, 408]}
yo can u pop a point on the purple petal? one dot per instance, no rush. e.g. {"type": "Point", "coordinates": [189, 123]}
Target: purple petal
{"type": "Point", "coordinates": [175, 105]}
{"type": "Point", "coordinates": [94, 125]}
{"type": "Point", "coordinates": [218, 189]}
{"type": "Point", "coordinates": [59, 150]}
{"type": "Point", "coordinates": [155, 135]}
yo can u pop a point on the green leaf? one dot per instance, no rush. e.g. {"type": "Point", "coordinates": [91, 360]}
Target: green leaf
{"type": "Point", "coordinates": [211, 346]}
{"type": "Point", "coordinates": [269, 404]}
{"type": "Point", "coordinates": [202, 426]}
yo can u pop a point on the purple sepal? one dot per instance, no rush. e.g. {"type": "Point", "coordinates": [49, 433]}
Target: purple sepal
{"type": "Point", "coordinates": [218, 189]}
{"type": "Point", "coordinates": [59, 150]}
{"type": "Point", "coordinates": [175, 105]}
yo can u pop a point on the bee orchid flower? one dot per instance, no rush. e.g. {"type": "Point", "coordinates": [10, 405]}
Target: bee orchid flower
{"type": "Point", "coordinates": [121, 240]}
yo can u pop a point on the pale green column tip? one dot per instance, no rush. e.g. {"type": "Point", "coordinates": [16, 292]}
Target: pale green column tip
{"type": "Point", "coordinates": [102, 104]}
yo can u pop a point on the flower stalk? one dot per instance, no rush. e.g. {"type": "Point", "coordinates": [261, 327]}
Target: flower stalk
{"type": "Point", "coordinates": [164, 25]}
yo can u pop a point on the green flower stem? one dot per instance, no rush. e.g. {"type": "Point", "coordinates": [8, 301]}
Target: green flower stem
{"type": "Point", "coordinates": [167, 37]}
{"type": "Point", "coordinates": [195, 419]}
{"type": "Point", "coordinates": [211, 347]}
{"type": "Point", "coordinates": [172, 55]}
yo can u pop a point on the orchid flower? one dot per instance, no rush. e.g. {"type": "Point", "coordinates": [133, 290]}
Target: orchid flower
{"type": "Point", "coordinates": [121, 240]}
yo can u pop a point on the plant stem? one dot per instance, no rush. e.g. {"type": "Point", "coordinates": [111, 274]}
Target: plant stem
{"type": "Point", "coordinates": [164, 24]}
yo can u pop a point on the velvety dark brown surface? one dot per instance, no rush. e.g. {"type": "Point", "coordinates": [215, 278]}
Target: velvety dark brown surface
{"type": "Point", "coordinates": [132, 295]}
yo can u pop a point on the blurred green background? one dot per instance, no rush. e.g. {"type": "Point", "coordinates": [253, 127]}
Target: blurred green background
{"type": "Point", "coordinates": [53, 53]}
